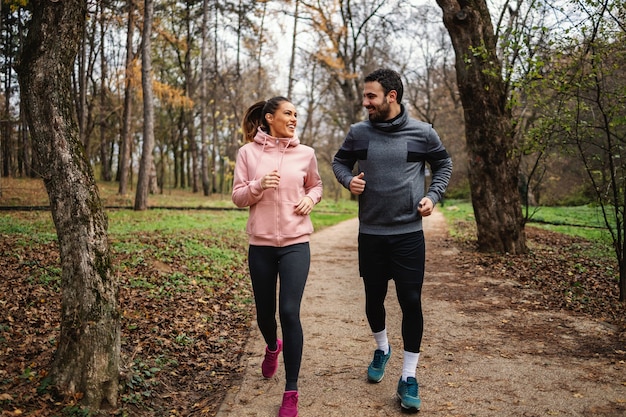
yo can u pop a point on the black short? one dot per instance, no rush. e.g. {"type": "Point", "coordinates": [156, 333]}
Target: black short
{"type": "Point", "coordinates": [397, 257]}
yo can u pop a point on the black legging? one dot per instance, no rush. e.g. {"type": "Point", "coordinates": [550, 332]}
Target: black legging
{"type": "Point", "coordinates": [291, 264]}
{"type": "Point", "coordinates": [409, 298]}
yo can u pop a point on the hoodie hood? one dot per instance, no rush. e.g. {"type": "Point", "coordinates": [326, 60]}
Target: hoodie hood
{"type": "Point", "coordinates": [265, 139]}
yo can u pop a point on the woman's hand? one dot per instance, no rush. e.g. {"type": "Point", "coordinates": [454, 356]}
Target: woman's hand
{"type": "Point", "coordinates": [270, 180]}
{"type": "Point", "coordinates": [304, 206]}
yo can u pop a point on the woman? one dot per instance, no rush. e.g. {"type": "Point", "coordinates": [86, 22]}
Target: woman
{"type": "Point", "coordinates": [277, 177]}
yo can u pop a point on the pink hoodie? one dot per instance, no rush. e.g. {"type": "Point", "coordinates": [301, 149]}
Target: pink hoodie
{"type": "Point", "coordinates": [272, 220]}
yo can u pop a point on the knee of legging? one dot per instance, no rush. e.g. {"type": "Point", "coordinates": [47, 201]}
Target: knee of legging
{"type": "Point", "coordinates": [411, 301]}
{"type": "Point", "coordinates": [410, 296]}
{"type": "Point", "coordinates": [289, 318]}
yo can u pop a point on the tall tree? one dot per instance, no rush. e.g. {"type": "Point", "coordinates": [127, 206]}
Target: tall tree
{"type": "Point", "coordinates": [205, 163]}
{"type": "Point", "coordinates": [189, 89]}
{"type": "Point", "coordinates": [105, 165]}
{"type": "Point", "coordinates": [86, 87]}
{"type": "Point", "coordinates": [86, 360]}
{"type": "Point", "coordinates": [491, 141]}
{"type": "Point", "coordinates": [126, 140]}
{"type": "Point", "coordinates": [292, 61]}
{"type": "Point", "coordinates": [9, 44]}
{"type": "Point", "coordinates": [146, 163]}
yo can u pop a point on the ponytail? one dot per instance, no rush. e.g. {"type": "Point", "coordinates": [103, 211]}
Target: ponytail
{"type": "Point", "coordinates": [252, 119]}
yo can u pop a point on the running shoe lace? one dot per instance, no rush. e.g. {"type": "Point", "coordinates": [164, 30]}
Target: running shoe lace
{"type": "Point", "coordinates": [291, 401]}
{"type": "Point", "coordinates": [411, 387]}
{"type": "Point", "coordinates": [377, 362]}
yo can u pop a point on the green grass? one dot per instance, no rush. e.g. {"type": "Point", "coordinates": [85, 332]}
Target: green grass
{"type": "Point", "coordinates": [584, 221]}
{"type": "Point", "coordinates": [580, 221]}
{"type": "Point", "coordinates": [328, 212]}
{"type": "Point", "coordinates": [203, 244]}
{"type": "Point", "coordinates": [38, 225]}
{"type": "Point", "coordinates": [32, 226]}
{"type": "Point", "coordinates": [128, 222]}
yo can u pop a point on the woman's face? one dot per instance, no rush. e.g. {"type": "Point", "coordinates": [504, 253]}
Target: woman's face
{"type": "Point", "coordinates": [283, 122]}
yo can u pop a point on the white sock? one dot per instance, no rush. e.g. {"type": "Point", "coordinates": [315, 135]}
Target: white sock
{"type": "Point", "coordinates": [382, 341]}
{"type": "Point", "coordinates": [409, 364]}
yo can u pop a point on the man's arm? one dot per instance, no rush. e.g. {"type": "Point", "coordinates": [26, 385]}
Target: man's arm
{"type": "Point", "coordinates": [343, 163]}
{"type": "Point", "coordinates": [441, 173]}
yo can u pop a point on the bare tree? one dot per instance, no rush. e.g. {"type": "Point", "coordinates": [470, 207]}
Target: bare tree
{"type": "Point", "coordinates": [105, 164]}
{"type": "Point", "coordinates": [146, 164]}
{"type": "Point", "coordinates": [492, 147]}
{"type": "Point", "coordinates": [190, 92]}
{"type": "Point", "coordinates": [205, 163]}
{"type": "Point", "coordinates": [85, 98]}
{"type": "Point", "coordinates": [126, 142]}
{"type": "Point", "coordinates": [344, 52]}
{"type": "Point", "coordinates": [292, 61]}
{"type": "Point", "coordinates": [86, 361]}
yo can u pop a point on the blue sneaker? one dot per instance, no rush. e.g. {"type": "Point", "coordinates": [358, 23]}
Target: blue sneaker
{"type": "Point", "coordinates": [376, 370]}
{"type": "Point", "coordinates": [408, 393]}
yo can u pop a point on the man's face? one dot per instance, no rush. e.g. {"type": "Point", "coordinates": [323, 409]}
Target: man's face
{"type": "Point", "coordinates": [375, 101]}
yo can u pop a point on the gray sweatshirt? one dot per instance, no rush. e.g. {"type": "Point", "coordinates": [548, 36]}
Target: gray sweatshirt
{"type": "Point", "coordinates": [393, 156]}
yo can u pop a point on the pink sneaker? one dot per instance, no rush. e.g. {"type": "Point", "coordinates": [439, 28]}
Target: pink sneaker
{"type": "Point", "coordinates": [289, 408]}
{"type": "Point", "coordinates": [270, 362]}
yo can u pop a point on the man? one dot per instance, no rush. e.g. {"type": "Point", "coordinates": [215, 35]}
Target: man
{"type": "Point", "coordinates": [392, 150]}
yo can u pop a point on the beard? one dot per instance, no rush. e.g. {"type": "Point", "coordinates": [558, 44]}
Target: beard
{"type": "Point", "coordinates": [381, 112]}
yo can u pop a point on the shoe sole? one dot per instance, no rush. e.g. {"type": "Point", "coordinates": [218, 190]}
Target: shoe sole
{"type": "Point", "coordinates": [375, 381]}
{"type": "Point", "coordinates": [407, 408]}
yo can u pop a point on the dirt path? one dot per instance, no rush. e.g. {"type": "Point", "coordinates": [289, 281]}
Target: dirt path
{"type": "Point", "coordinates": [484, 352]}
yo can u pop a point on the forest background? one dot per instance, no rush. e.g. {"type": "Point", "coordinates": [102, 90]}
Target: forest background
{"type": "Point", "coordinates": [557, 69]}
{"type": "Point", "coordinates": [211, 60]}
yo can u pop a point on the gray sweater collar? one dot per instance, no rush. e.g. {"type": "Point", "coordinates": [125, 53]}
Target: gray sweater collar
{"type": "Point", "coordinates": [394, 124]}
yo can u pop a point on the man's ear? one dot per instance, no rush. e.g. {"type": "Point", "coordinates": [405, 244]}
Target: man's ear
{"type": "Point", "coordinates": [392, 95]}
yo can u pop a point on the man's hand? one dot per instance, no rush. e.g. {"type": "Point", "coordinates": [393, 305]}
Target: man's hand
{"type": "Point", "coordinates": [425, 207]}
{"type": "Point", "coordinates": [357, 184]}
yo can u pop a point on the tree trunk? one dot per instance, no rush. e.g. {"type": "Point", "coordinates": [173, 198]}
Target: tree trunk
{"type": "Point", "coordinates": [82, 108]}
{"type": "Point", "coordinates": [205, 165]}
{"type": "Point", "coordinates": [492, 149]}
{"type": "Point", "coordinates": [87, 357]}
{"type": "Point", "coordinates": [145, 166]}
{"type": "Point", "coordinates": [125, 148]}
{"type": "Point", "coordinates": [190, 91]}
{"type": "Point", "coordinates": [194, 155]}
{"type": "Point", "coordinates": [6, 131]}
{"type": "Point", "coordinates": [292, 61]}
{"type": "Point", "coordinates": [105, 167]}
{"type": "Point", "coordinates": [261, 38]}
{"type": "Point", "coordinates": [214, 111]}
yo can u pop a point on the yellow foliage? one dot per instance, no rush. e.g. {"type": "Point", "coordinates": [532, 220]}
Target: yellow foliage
{"type": "Point", "coordinates": [171, 95]}
{"type": "Point", "coordinates": [164, 92]}
{"type": "Point", "coordinates": [334, 62]}
{"type": "Point", "coordinates": [16, 4]}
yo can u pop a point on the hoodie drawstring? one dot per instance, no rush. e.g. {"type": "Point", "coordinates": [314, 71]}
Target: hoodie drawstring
{"type": "Point", "coordinates": [282, 155]}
